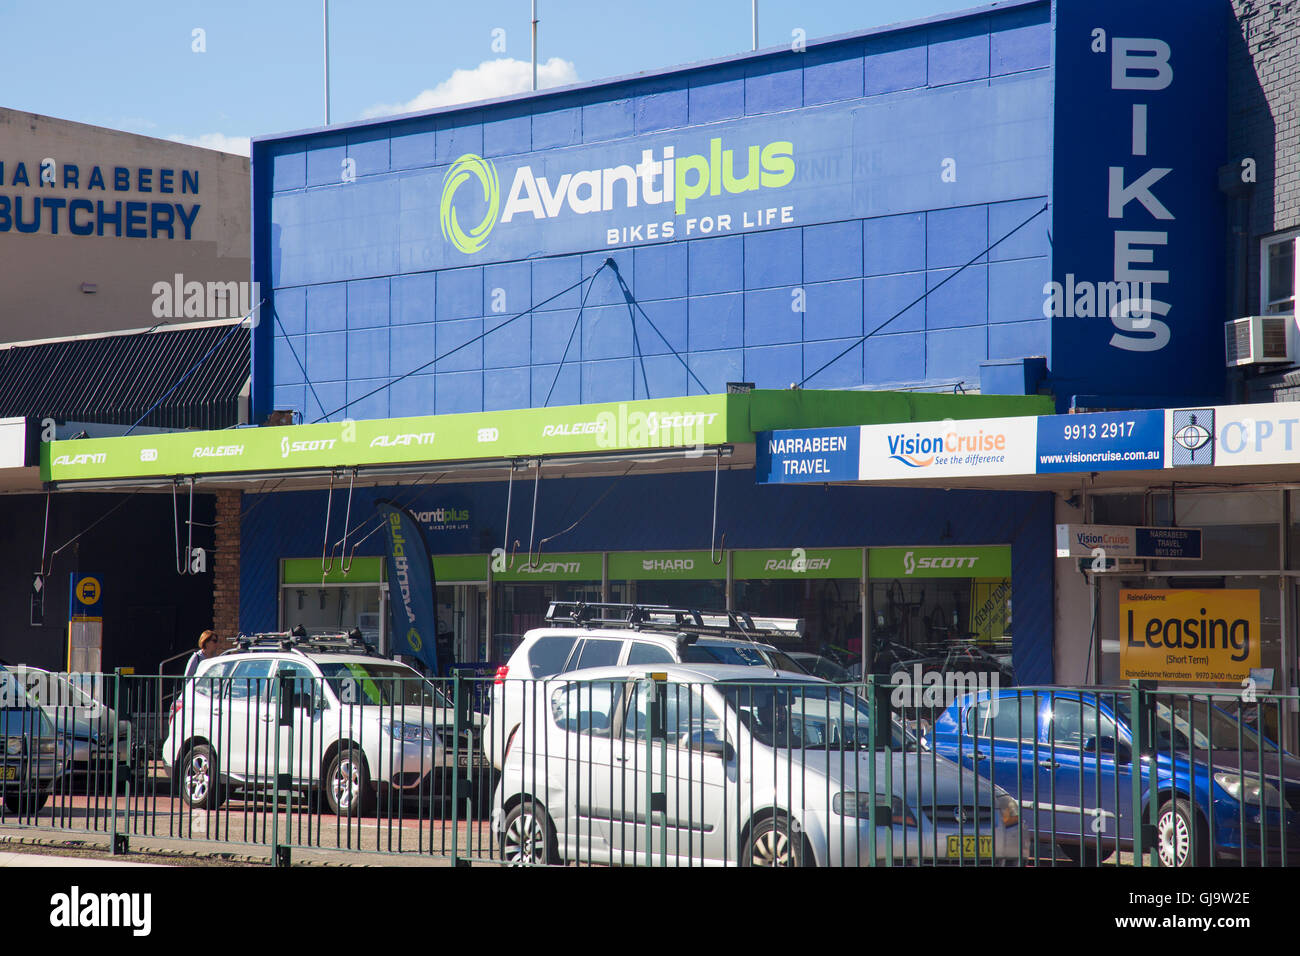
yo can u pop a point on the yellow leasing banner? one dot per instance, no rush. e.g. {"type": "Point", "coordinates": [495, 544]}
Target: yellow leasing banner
{"type": "Point", "coordinates": [1193, 636]}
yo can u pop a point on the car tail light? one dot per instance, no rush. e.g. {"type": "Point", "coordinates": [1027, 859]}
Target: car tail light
{"type": "Point", "coordinates": [502, 671]}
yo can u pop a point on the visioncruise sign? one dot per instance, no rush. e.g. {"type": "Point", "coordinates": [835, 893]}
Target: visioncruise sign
{"type": "Point", "coordinates": [1191, 636]}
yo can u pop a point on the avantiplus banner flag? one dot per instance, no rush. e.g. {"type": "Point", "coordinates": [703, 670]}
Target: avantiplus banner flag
{"type": "Point", "coordinates": [412, 608]}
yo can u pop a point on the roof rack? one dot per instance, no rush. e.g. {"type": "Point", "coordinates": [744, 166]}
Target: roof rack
{"type": "Point", "coordinates": [663, 617]}
{"type": "Point", "coordinates": [351, 642]}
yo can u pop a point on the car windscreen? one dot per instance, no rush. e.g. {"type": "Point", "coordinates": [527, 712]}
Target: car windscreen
{"type": "Point", "coordinates": [24, 721]}
{"type": "Point", "coordinates": [380, 684]}
{"type": "Point", "coordinates": [1189, 723]}
{"type": "Point", "coordinates": [805, 716]}
{"type": "Point", "coordinates": [703, 652]}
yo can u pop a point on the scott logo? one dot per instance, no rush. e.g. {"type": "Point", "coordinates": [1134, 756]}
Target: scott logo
{"type": "Point", "coordinates": [466, 167]}
{"type": "Point", "coordinates": [911, 563]}
{"type": "Point", "coordinates": [288, 448]}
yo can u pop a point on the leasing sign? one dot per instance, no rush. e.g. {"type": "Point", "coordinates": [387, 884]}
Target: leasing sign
{"type": "Point", "coordinates": [1191, 636]}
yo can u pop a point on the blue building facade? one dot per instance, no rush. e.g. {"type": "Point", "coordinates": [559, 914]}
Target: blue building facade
{"type": "Point", "coordinates": [969, 203]}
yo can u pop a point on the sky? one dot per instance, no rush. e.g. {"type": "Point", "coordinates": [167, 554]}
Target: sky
{"type": "Point", "coordinates": [214, 72]}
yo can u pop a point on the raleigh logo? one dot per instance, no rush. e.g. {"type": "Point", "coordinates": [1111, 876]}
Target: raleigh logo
{"type": "Point", "coordinates": [911, 563]}
{"type": "Point", "coordinates": [288, 448]}
{"type": "Point", "coordinates": [217, 451]}
{"type": "Point", "coordinates": [651, 182]}
{"type": "Point", "coordinates": [470, 166]}
{"type": "Point", "coordinates": [577, 428]}
{"type": "Point", "coordinates": [393, 441]}
{"type": "Point", "coordinates": [98, 458]}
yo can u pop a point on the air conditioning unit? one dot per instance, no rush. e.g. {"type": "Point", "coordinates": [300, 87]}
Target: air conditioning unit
{"type": "Point", "coordinates": [1259, 340]}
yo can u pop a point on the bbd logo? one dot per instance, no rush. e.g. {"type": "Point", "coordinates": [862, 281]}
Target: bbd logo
{"type": "Point", "coordinates": [469, 167]}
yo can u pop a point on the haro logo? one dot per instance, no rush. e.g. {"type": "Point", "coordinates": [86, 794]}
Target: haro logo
{"type": "Point", "coordinates": [465, 168]}
{"type": "Point", "coordinates": [393, 441]}
{"type": "Point", "coordinates": [911, 563]}
{"type": "Point", "coordinates": [98, 458]}
{"type": "Point", "coordinates": [288, 448]}
{"type": "Point", "coordinates": [668, 564]}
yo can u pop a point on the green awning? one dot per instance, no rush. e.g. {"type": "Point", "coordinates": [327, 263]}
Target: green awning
{"type": "Point", "coordinates": [685, 427]}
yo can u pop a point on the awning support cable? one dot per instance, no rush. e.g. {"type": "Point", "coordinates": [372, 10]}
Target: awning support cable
{"type": "Point", "coordinates": [463, 345]}
{"type": "Point", "coordinates": [183, 559]}
{"type": "Point", "coordinates": [379, 526]}
{"type": "Point", "coordinates": [45, 535]}
{"type": "Point", "coordinates": [924, 295]}
{"type": "Point", "coordinates": [194, 368]}
{"type": "Point", "coordinates": [631, 299]}
{"type": "Point", "coordinates": [716, 552]}
{"type": "Point", "coordinates": [573, 331]}
{"type": "Point", "coordinates": [605, 494]}
{"type": "Point", "coordinates": [324, 547]}
{"type": "Point", "coordinates": [532, 528]}
{"type": "Point", "coordinates": [73, 540]}
{"type": "Point", "coordinates": [510, 494]}
{"type": "Point", "coordinates": [344, 564]}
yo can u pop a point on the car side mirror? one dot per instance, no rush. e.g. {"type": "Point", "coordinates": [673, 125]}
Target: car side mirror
{"type": "Point", "coordinates": [714, 747]}
{"type": "Point", "coordinates": [1109, 745]}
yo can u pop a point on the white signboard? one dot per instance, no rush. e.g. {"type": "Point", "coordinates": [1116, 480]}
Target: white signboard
{"type": "Point", "coordinates": [985, 446]}
{"type": "Point", "coordinates": [13, 442]}
{"type": "Point", "coordinates": [1079, 540]}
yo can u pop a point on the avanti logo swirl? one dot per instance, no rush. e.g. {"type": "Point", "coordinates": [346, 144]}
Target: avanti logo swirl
{"type": "Point", "coordinates": [467, 167]}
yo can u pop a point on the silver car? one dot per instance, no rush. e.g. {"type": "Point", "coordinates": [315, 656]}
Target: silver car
{"type": "Point", "coordinates": [713, 765]}
{"type": "Point", "coordinates": [90, 728]}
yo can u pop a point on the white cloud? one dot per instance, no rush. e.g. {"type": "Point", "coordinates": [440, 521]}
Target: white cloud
{"type": "Point", "coordinates": [217, 141]}
{"type": "Point", "coordinates": [488, 80]}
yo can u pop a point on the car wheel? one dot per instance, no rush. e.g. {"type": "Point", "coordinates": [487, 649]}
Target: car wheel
{"type": "Point", "coordinates": [347, 784]}
{"type": "Point", "coordinates": [528, 836]}
{"type": "Point", "coordinates": [26, 802]}
{"type": "Point", "coordinates": [1083, 855]}
{"type": "Point", "coordinates": [776, 842]}
{"type": "Point", "coordinates": [200, 787]}
{"type": "Point", "coordinates": [1181, 840]}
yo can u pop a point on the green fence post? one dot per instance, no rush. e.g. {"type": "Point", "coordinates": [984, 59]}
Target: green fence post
{"type": "Point", "coordinates": [455, 766]}
{"type": "Point", "coordinates": [119, 841]}
{"type": "Point", "coordinates": [874, 717]}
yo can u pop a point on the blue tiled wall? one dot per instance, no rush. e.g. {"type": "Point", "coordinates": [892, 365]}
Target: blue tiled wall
{"type": "Point", "coordinates": [771, 307]}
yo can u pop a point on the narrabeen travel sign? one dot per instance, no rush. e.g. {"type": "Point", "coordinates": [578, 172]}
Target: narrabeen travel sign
{"type": "Point", "coordinates": [627, 426]}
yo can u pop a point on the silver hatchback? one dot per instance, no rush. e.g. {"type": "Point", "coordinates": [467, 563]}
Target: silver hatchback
{"type": "Point", "coordinates": [711, 765]}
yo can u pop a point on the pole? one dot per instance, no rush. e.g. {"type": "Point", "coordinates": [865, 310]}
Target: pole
{"type": "Point", "coordinates": [534, 45]}
{"type": "Point", "coordinates": [753, 7]}
{"type": "Point", "coordinates": [326, 4]}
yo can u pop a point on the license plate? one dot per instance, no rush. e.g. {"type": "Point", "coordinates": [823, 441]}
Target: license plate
{"type": "Point", "coordinates": [9, 773]}
{"type": "Point", "coordinates": [966, 846]}
{"type": "Point", "coordinates": [462, 760]}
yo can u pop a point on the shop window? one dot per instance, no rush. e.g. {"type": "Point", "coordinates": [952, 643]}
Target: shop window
{"type": "Point", "coordinates": [1278, 281]}
{"type": "Point", "coordinates": [830, 608]}
{"type": "Point", "coordinates": [332, 609]}
{"type": "Point", "coordinates": [1240, 531]}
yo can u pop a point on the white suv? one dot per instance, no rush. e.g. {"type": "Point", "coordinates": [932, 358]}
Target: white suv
{"type": "Point", "coordinates": [607, 635]}
{"type": "Point", "coordinates": [340, 722]}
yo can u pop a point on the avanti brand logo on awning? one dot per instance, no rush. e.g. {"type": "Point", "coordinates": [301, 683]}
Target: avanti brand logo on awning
{"type": "Point", "coordinates": [551, 567]}
{"type": "Point", "coordinates": [660, 180]}
{"type": "Point", "coordinates": [403, 439]}
{"type": "Point", "coordinates": [98, 458]}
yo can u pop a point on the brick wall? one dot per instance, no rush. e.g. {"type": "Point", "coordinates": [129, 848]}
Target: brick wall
{"type": "Point", "coordinates": [1264, 118]}
{"type": "Point", "coordinates": [225, 565]}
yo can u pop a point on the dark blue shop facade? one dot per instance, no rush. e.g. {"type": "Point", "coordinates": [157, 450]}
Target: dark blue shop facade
{"type": "Point", "coordinates": [1017, 201]}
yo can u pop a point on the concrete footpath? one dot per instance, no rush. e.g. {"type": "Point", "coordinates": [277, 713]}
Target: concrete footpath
{"type": "Point", "coordinates": [57, 847]}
